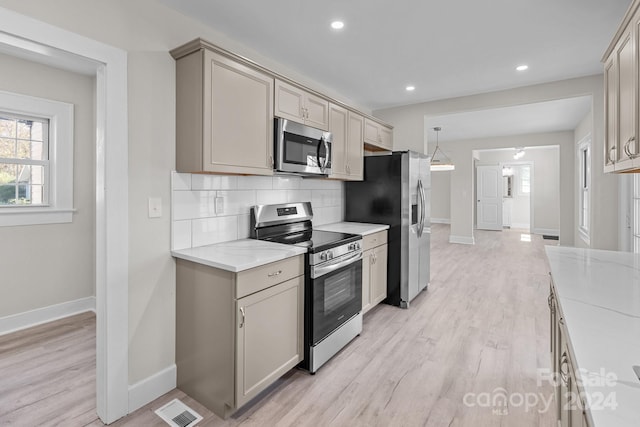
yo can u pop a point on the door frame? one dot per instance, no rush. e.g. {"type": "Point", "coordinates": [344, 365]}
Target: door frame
{"type": "Point", "coordinates": [531, 189]}
{"type": "Point", "coordinates": [43, 42]}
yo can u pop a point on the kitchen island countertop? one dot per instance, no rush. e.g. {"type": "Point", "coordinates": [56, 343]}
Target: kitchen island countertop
{"type": "Point", "coordinates": [599, 294]}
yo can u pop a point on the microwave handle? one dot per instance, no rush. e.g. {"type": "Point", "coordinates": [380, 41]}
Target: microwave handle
{"type": "Point", "coordinates": [323, 165]}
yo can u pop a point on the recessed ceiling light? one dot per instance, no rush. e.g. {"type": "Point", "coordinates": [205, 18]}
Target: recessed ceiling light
{"type": "Point", "coordinates": [522, 67]}
{"type": "Point", "coordinates": [410, 88]}
{"type": "Point", "coordinates": [337, 25]}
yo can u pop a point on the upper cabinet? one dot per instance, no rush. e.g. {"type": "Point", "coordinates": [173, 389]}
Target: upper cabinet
{"type": "Point", "coordinates": [346, 128]}
{"type": "Point", "coordinates": [301, 106]}
{"type": "Point", "coordinates": [621, 85]}
{"type": "Point", "coordinates": [224, 116]}
{"type": "Point", "coordinates": [377, 136]}
{"type": "Point", "coordinates": [225, 109]}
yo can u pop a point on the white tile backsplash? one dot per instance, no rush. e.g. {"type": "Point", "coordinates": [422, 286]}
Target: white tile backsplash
{"type": "Point", "coordinates": [180, 181]}
{"type": "Point", "coordinates": [214, 182]}
{"type": "Point", "coordinates": [237, 202]}
{"type": "Point", "coordinates": [286, 182]}
{"type": "Point", "coordinates": [196, 223]}
{"type": "Point", "coordinates": [181, 234]}
{"type": "Point", "coordinates": [255, 183]}
{"type": "Point", "coordinates": [207, 231]}
{"type": "Point", "coordinates": [298, 196]}
{"type": "Point", "coordinates": [244, 223]}
{"type": "Point", "coordinates": [193, 204]}
{"type": "Point", "coordinates": [269, 197]}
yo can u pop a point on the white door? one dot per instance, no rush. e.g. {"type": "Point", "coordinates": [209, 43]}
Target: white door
{"type": "Point", "coordinates": [489, 193]}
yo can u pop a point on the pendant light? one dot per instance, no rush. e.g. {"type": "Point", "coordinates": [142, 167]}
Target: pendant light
{"type": "Point", "coordinates": [439, 160]}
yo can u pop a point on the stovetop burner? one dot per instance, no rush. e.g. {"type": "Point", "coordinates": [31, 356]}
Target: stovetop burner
{"type": "Point", "coordinates": [316, 240]}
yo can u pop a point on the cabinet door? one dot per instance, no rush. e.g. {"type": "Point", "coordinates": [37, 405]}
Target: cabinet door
{"type": "Point", "coordinates": [626, 103]}
{"type": "Point", "coordinates": [386, 138]}
{"type": "Point", "coordinates": [371, 132]}
{"type": "Point", "coordinates": [237, 118]}
{"type": "Point", "coordinates": [367, 264]}
{"type": "Point", "coordinates": [317, 112]}
{"type": "Point", "coordinates": [269, 336]}
{"type": "Point", "coordinates": [338, 128]}
{"type": "Point", "coordinates": [379, 275]}
{"type": "Point", "coordinates": [355, 150]}
{"type": "Point", "coordinates": [610, 107]}
{"type": "Point", "coordinates": [289, 102]}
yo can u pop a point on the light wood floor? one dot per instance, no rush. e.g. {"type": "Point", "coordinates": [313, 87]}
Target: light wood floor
{"type": "Point", "coordinates": [479, 331]}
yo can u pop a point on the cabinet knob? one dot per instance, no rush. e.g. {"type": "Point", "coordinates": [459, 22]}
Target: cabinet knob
{"type": "Point", "coordinates": [275, 273]}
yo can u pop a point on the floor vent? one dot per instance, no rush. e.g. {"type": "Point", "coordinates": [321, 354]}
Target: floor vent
{"type": "Point", "coordinates": [177, 414]}
{"type": "Point", "coordinates": [547, 237]}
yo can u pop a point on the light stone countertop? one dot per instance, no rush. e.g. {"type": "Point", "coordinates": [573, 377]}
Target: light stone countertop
{"type": "Point", "coordinates": [360, 228]}
{"type": "Point", "coordinates": [599, 295]}
{"type": "Point", "coordinates": [239, 255]}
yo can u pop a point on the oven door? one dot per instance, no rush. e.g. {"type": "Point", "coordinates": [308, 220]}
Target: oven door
{"type": "Point", "coordinates": [302, 149]}
{"type": "Point", "coordinates": [337, 297]}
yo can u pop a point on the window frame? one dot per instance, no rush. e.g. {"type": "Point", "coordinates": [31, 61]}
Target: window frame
{"type": "Point", "coordinates": [59, 208]}
{"type": "Point", "coordinates": [584, 188]}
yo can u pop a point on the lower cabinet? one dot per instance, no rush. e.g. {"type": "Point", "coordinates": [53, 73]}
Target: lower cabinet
{"type": "Point", "coordinates": [237, 333]}
{"type": "Point", "coordinates": [374, 270]}
{"type": "Point", "coordinates": [570, 406]}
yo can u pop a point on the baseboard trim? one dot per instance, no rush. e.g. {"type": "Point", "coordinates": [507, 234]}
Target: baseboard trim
{"type": "Point", "coordinates": [151, 388]}
{"type": "Point", "coordinates": [520, 226]}
{"type": "Point", "coordinates": [547, 231]}
{"type": "Point", "coordinates": [462, 240]}
{"type": "Point", "coordinates": [19, 321]}
{"type": "Point", "coordinates": [440, 220]}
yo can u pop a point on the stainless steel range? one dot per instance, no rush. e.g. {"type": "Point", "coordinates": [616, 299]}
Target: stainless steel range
{"type": "Point", "coordinates": [333, 277]}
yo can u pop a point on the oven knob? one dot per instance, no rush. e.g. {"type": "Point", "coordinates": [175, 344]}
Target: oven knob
{"type": "Point", "coordinates": [330, 254]}
{"type": "Point", "coordinates": [324, 256]}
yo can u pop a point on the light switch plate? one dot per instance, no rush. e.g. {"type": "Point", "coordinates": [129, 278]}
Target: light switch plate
{"type": "Point", "coordinates": [155, 207]}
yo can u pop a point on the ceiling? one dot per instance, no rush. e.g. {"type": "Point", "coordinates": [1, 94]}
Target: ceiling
{"type": "Point", "coordinates": [550, 116]}
{"type": "Point", "coordinates": [443, 48]}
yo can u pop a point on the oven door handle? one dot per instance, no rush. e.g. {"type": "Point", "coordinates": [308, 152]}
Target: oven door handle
{"type": "Point", "coordinates": [318, 271]}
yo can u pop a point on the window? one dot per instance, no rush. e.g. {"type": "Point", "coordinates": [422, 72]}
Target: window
{"type": "Point", "coordinates": [36, 160]}
{"type": "Point", "coordinates": [24, 160]}
{"type": "Point", "coordinates": [584, 185]}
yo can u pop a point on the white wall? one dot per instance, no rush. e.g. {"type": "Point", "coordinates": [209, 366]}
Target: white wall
{"type": "Point", "coordinates": [410, 133]}
{"type": "Point", "coordinates": [546, 185]}
{"type": "Point", "coordinates": [441, 197]}
{"type": "Point", "coordinates": [147, 30]}
{"type": "Point", "coordinates": [196, 222]}
{"type": "Point", "coordinates": [45, 265]}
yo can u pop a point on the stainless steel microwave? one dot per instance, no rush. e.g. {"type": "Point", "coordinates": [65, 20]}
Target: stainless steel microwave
{"type": "Point", "coordinates": [301, 149]}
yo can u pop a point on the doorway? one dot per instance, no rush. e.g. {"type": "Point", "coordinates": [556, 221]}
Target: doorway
{"type": "Point", "coordinates": [504, 196]}
{"type": "Point", "coordinates": [41, 42]}
{"type": "Point", "coordinates": [517, 209]}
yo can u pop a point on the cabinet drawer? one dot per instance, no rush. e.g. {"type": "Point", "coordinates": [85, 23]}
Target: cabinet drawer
{"type": "Point", "coordinates": [265, 276]}
{"type": "Point", "coordinates": [372, 240]}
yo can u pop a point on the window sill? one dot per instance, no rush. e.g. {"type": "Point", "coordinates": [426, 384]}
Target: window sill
{"type": "Point", "coordinates": [15, 216]}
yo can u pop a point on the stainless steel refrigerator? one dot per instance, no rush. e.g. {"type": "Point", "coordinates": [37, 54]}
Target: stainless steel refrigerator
{"type": "Point", "coordinates": [397, 191]}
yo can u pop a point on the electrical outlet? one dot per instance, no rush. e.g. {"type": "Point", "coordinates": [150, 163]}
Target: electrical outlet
{"type": "Point", "coordinates": [155, 207]}
{"type": "Point", "coordinates": [219, 205]}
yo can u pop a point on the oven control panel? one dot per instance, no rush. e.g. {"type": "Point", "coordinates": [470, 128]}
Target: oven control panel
{"type": "Point", "coordinates": [343, 251]}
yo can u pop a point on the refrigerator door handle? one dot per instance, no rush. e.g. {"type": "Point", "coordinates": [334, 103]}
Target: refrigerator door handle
{"type": "Point", "coordinates": [421, 205]}
{"type": "Point", "coordinates": [424, 208]}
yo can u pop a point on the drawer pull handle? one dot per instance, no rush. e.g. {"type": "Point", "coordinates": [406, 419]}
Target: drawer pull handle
{"type": "Point", "coordinates": [243, 315]}
{"type": "Point", "coordinates": [277, 273]}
